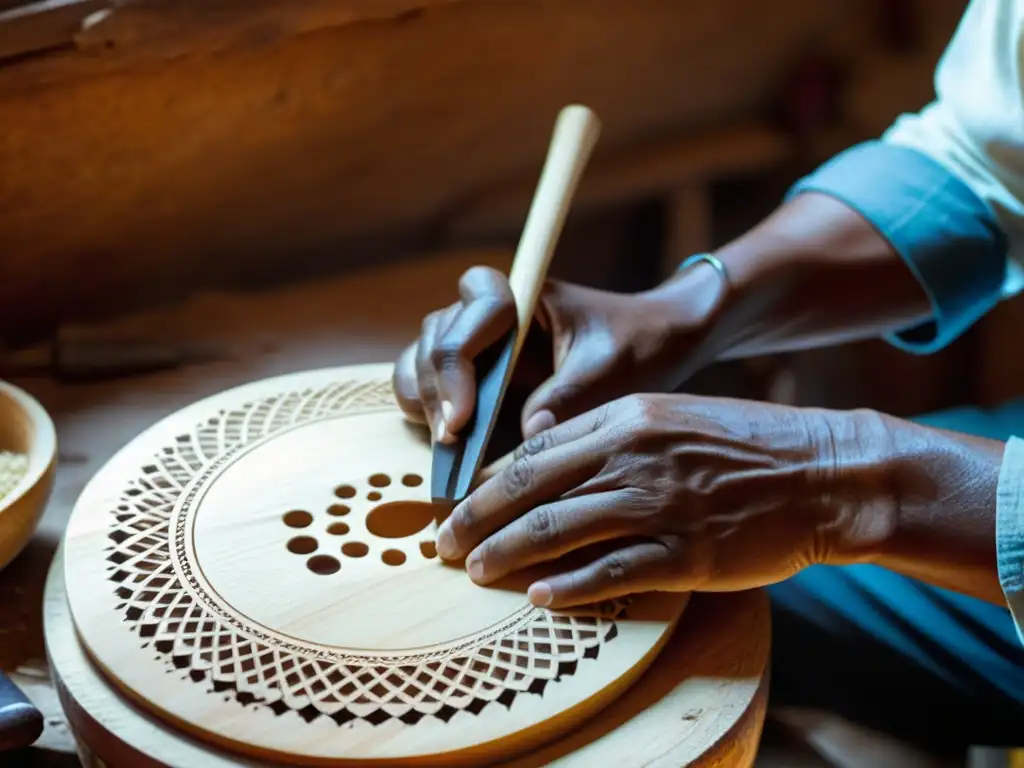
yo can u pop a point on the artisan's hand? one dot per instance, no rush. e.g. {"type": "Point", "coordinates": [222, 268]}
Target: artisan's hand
{"type": "Point", "coordinates": [679, 493]}
{"type": "Point", "coordinates": [603, 345]}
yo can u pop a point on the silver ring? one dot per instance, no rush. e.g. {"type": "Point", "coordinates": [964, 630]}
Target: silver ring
{"type": "Point", "coordinates": [710, 259]}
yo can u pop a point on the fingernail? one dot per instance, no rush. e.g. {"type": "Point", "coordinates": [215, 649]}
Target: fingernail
{"type": "Point", "coordinates": [447, 409]}
{"type": "Point", "coordinates": [540, 594]}
{"type": "Point", "coordinates": [539, 422]}
{"type": "Point", "coordinates": [445, 543]}
{"type": "Point", "coordinates": [440, 430]}
{"type": "Point", "coordinates": [475, 567]}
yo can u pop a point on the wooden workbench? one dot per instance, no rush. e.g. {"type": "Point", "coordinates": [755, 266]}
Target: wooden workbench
{"type": "Point", "coordinates": [364, 317]}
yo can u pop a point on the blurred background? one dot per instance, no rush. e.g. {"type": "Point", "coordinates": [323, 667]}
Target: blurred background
{"type": "Point", "coordinates": [152, 150]}
{"type": "Point", "coordinates": [297, 183]}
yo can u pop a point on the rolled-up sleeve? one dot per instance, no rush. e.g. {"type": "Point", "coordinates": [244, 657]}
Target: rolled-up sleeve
{"type": "Point", "coordinates": [944, 185]}
{"type": "Point", "coordinates": [944, 232]}
{"type": "Point", "coordinates": [1010, 530]}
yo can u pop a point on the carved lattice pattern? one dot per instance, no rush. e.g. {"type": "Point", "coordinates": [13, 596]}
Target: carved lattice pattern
{"type": "Point", "coordinates": [174, 616]}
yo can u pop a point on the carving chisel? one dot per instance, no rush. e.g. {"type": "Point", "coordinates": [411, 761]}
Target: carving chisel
{"type": "Point", "coordinates": [455, 465]}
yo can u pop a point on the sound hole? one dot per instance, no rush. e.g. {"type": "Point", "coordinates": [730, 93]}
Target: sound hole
{"type": "Point", "coordinates": [298, 518]}
{"type": "Point", "coordinates": [354, 549]}
{"type": "Point", "coordinates": [323, 565]}
{"type": "Point", "coordinates": [399, 519]}
{"type": "Point", "coordinates": [302, 545]}
{"type": "Point", "coordinates": [393, 557]}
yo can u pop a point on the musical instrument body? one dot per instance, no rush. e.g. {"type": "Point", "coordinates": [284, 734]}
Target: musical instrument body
{"type": "Point", "coordinates": [252, 581]}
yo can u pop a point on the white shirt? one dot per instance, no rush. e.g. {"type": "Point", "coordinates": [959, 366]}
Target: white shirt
{"type": "Point", "coordinates": [945, 187]}
{"type": "Point", "coordinates": [975, 126]}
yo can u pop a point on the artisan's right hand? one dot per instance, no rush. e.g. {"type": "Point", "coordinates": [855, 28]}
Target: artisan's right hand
{"type": "Point", "coordinates": [604, 345]}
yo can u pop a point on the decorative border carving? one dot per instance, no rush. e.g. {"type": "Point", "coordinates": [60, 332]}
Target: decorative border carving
{"type": "Point", "coordinates": [174, 615]}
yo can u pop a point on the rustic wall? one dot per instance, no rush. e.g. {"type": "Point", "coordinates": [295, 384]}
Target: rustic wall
{"type": "Point", "coordinates": [174, 145]}
{"type": "Point", "coordinates": [150, 167]}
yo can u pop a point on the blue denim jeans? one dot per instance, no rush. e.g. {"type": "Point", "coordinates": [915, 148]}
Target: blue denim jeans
{"type": "Point", "coordinates": [921, 663]}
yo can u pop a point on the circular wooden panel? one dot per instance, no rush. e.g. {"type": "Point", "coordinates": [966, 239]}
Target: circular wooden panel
{"type": "Point", "coordinates": [700, 704]}
{"type": "Point", "coordinates": [258, 569]}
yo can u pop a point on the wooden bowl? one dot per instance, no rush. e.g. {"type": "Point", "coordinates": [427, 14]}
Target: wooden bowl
{"type": "Point", "coordinates": [25, 427]}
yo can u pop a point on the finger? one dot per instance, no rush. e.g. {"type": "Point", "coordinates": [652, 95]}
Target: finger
{"type": "Point", "coordinates": [404, 382]}
{"type": "Point", "coordinates": [426, 377]}
{"type": "Point", "coordinates": [550, 531]}
{"type": "Point", "coordinates": [569, 431]}
{"type": "Point", "coordinates": [580, 384]}
{"type": "Point", "coordinates": [578, 360]}
{"type": "Point", "coordinates": [544, 468]}
{"type": "Point", "coordinates": [479, 325]}
{"type": "Point", "coordinates": [485, 283]}
{"type": "Point", "coordinates": [445, 320]}
{"type": "Point", "coordinates": [635, 568]}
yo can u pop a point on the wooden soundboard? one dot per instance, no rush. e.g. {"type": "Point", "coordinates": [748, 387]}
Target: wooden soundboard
{"type": "Point", "coordinates": [258, 573]}
{"type": "Point", "coordinates": [701, 703]}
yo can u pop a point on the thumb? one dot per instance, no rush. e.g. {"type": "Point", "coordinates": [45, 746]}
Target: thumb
{"type": "Point", "coordinates": [575, 388]}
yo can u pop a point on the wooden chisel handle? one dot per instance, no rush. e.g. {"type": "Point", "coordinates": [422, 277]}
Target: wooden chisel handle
{"type": "Point", "coordinates": [575, 135]}
{"type": "Point", "coordinates": [20, 722]}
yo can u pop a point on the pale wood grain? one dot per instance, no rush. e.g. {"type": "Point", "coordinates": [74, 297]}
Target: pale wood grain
{"type": "Point", "coordinates": [702, 704]}
{"type": "Point", "coordinates": [306, 577]}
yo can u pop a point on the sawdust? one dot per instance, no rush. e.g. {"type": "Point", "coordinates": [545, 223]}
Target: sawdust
{"type": "Point", "coordinates": [13, 467]}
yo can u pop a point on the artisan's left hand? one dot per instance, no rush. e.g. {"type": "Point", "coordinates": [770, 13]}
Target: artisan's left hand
{"type": "Point", "coordinates": [680, 493]}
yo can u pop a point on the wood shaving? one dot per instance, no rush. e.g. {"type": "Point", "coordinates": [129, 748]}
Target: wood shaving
{"type": "Point", "coordinates": [13, 467]}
